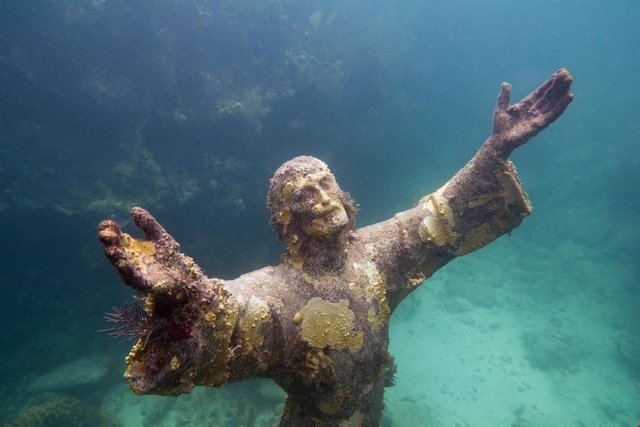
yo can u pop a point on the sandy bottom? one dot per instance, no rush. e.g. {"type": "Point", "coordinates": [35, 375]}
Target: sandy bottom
{"type": "Point", "coordinates": [519, 335]}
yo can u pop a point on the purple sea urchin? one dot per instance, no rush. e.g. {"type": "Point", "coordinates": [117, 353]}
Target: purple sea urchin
{"type": "Point", "coordinates": [128, 322]}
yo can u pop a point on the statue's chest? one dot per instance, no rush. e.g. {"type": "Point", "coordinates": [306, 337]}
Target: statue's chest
{"type": "Point", "coordinates": [341, 329]}
{"type": "Point", "coordinates": [345, 309]}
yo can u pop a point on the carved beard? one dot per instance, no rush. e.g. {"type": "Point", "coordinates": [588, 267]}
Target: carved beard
{"type": "Point", "coordinates": [327, 224]}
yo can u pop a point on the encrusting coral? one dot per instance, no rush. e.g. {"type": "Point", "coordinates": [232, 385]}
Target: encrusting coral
{"type": "Point", "coordinates": [317, 323]}
{"type": "Point", "coordinates": [58, 410]}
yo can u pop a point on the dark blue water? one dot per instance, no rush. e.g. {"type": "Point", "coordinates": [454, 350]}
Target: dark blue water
{"type": "Point", "coordinates": [188, 107]}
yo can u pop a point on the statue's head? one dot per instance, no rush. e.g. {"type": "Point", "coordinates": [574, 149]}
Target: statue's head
{"type": "Point", "coordinates": [306, 202]}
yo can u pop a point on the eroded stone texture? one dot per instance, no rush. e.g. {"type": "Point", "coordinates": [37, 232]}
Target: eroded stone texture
{"type": "Point", "coordinates": [317, 323]}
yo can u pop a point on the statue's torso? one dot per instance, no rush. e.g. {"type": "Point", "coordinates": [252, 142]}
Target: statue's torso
{"type": "Point", "coordinates": [334, 331]}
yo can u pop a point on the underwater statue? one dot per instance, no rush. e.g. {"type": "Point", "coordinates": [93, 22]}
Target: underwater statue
{"type": "Point", "coordinates": [317, 323]}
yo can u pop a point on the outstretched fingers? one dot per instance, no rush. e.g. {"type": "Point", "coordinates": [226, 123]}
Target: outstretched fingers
{"type": "Point", "coordinates": [152, 230]}
{"type": "Point", "coordinates": [514, 125]}
{"type": "Point", "coordinates": [552, 97]}
{"type": "Point", "coordinates": [153, 263]}
{"type": "Point", "coordinates": [558, 94]}
{"type": "Point", "coordinates": [504, 97]}
{"type": "Point", "coordinates": [131, 272]}
{"type": "Point", "coordinates": [110, 236]}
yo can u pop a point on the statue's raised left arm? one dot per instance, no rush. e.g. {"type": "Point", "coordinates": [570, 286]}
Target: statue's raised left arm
{"type": "Point", "coordinates": [483, 201]}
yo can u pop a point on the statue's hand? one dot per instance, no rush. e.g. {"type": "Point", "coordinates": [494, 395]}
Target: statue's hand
{"type": "Point", "coordinates": [183, 334]}
{"type": "Point", "coordinates": [151, 264]}
{"type": "Point", "coordinates": [516, 124]}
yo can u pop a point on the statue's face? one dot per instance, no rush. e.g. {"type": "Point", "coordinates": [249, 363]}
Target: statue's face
{"type": "Point", "coordinates": [315, 202]}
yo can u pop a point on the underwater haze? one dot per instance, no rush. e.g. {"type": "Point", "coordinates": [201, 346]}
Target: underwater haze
{"type": "Point", "coordinates": [187, 107]}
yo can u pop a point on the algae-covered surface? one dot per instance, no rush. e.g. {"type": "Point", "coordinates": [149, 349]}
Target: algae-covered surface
{"type": "Point", "coordinates": [187, 109]}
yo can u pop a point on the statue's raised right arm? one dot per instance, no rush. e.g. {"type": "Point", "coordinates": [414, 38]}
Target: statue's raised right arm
{"type": "Point", "coordinates": [483, 201]}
